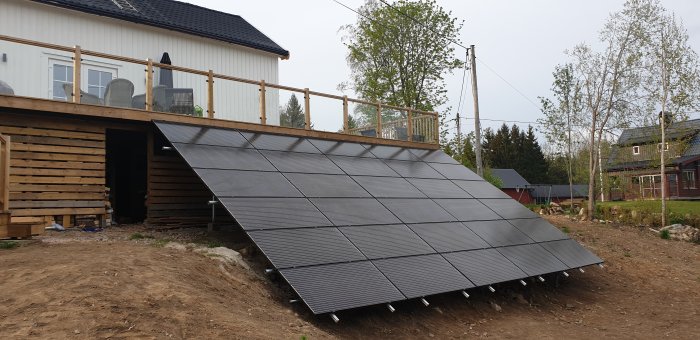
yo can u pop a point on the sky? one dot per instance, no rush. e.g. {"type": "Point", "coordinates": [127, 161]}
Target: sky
{"type": "Point", "coordinates": [518, 43]}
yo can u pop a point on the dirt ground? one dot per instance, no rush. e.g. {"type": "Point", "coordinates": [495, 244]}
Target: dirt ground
{"type": "Point", "coordinates": [112, 284]}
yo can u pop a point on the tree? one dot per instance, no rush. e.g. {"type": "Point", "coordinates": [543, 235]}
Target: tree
{"type": "Point", "coordinates": [292, 115]}
{"type": "Point", "coordinates": [399, 53]}
{"type": "Point", "coordinates": [614, 87]}
{"type": "Point", "coordinates": [560, 115]}
{"type": "Point", "coordinates": [517, 149]}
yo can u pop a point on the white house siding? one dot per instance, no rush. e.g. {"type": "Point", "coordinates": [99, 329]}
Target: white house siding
{"type": "Point", "coordinates": [27, 68]}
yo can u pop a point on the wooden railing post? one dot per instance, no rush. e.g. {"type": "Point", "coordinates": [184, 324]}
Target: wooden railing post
{"type": "Point", "coordinates": [210, 94]}
{"type": "Point", "coordinates": [149, 84]}
{"type": "Point", "coordinates": [437, 128]}
{"type": "Point", "coordinates": [4, 173]}
{"type": "Point", "coordinates": [307, 109]}
{"type": "Point", "coordinates": [379, 120]}
{"type": "Point", "coordinates": [263, 112]}
{"type": "Point", "coordinates": [77, 59]}
{"type": "Point", "coordinates": [409, 125]}
{"type": "Point", "coordinates": [346, 122]}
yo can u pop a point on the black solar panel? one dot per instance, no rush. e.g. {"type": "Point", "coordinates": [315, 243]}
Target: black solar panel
{"type": "Point", "coordinates": [418, 276]}
{"type": "Point", "coordinates": [485, 267]}
{"type": "Point", "coordinates": [382, 241]}
{"type": "Point", "coordinates": [350, 225]}
{"type": "Point", "coordinates": [450, 236]}
{"type": "Point", "coordinates": [304, 247]}
{"type": "Point", "coordinates": [330, 288]}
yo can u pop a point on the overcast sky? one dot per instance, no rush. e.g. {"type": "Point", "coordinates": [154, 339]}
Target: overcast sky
{"type": "Point", "coordinates": [520, 41]}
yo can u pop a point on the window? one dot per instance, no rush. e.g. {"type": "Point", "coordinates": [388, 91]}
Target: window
{"type": "Point", "coordinates": [658, 147]}
{"type": "Point", "coordinates": [635, 150]}
{"type": "Point", "coordinates": [97, 81]}
{"type": "Point", "coordinates": [62, 74]}
{"type": "Point", "coordinates": [689, 179]}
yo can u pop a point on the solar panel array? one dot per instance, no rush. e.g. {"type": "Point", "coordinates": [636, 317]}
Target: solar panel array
{"type": "Point", "coordinates": [350, 225]}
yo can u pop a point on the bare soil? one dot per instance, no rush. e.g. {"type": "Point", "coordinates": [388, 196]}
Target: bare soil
{"type": "Point", "coordinates": [108, 285]}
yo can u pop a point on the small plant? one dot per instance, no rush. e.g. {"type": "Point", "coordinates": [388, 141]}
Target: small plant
{"type": "Point", "coordinates": [565, 229]}
{"type": "Point", "coordinates": [214, 244]}
{"type": "Point", "coordinates": [139, 236]}
{"type": "Point", "coordinates": [665, 234]}
{"type": "Point", "coordinates": [9, 244]}
{"type": "Point", "coordinates": [160, 243]}
{"type": "Point", "coordinates": [627, 254]}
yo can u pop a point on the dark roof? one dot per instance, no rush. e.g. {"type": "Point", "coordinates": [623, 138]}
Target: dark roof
{"type": "Point", "coordinates": [558, 190]}
{"type": "Point", "coordinates": [510, 178]}
{"type": "Point", "coordinates": [651, 134]}
{"type": "Point", "coordinates": [179, 16]}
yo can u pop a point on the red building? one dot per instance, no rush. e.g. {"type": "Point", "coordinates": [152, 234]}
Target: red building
{"type": "Point", "coordinates": [516, 186]}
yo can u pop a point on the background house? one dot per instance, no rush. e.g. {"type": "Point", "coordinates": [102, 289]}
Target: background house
{"type": "Point", "coordinates": [634, 165]}
{"type": "Point", "coordinates": [194, 37]}
{"type": "Point", "coordinates": [557, 193]}
{"type": "Point", "coordinates": [514, 185]}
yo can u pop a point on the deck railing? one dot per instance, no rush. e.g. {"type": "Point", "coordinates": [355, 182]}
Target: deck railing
{"type": "Point", "coordinates": [4, 173]}
{"type": "Point", "coordinates": [218, 96]}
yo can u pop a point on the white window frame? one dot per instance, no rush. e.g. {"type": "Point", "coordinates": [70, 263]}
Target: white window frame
{"type": "Point", "coordinates": [693, 183]}
{"type": "Point", "coordinates": [86, 66]}
{"type": "Point", "coordinates": [658, 147]}
{"type": "Point", "coordinates": [635, 149]}
{"type": "Point", "coordinates": [52, 63]}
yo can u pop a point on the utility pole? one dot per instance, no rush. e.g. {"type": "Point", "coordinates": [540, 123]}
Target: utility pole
{"type": "Point", "coordinates": [459, 138]}
{"type": "Point", "coordinates": [662, 115]}
{"type": "Point", "coordinates": [477, 123]}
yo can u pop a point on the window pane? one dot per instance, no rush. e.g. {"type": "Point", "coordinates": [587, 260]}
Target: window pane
{"type": "Point", "coordinates": [69, 73]}
{"type": "Point", "coordinates": [93, 77]}
{"type": "Point", "coordinates": [59, 72]}
{"type": "Point", "coordinates": [94, 90]}
{"type": "Point", "coordinates": [58, 92]}
{"type": "Point", "coordinates": [105, 78]}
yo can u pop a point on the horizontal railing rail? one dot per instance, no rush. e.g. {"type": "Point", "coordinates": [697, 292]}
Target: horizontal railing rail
{"type": "Point", "coordinates": [409, 124]}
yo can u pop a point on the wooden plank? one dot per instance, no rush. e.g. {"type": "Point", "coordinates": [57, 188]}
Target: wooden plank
{"type": "Point", "coordinates": [210, 94]}
{"type": "Point", "coordinates": [173, 172]}
{"type": "Point", "coordinates": [20, 187]}
{"type": "Point", "coordinates": [56, 180]}
{"type": "Point", "coordinates": [56, 157]}
{"type": "Point", "coordinates": [24, 163]}
{"type": "Point", "coordinates": [57, 172]}
{"type": "Point", "coordinates": [67, 223]}
{"type": "Point", "coordinates": [56, 204]}
{"type": "Point", "coordinates": [45, 105]}
{"type": "Point", "coordinates": [307, 110]}
{"type": "Point", "coordinates": [29, 220]}
{"type": "Point", "coordinates": [56, 196]}
{"type": "Point", "coordinates": [77, 60]}
{"type": "Point", "coordinates": [179, 199]}
{"type": "Point", "coordinates": [26, 131]}
{"type": "Point", "coordinates": [346, 122]}
{"type": "Point", "coordinates": [58, 211]}
{"type": "Point", "coordinates": [169, 179]}
{"type": "Point", "coordinates": [149, 84]}
{"type": "Point", "coordinates": [263, 112]}
{"type": "Point", "coordinates": [58, 141]}
{"type": "Point", "coordinates": [65, 124]}
{"type": "Point", "coordinates": [57, 149]}
{"type": "Point", "coordinates": [5, 172]}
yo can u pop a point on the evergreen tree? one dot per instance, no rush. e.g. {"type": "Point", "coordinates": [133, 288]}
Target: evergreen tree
{"type": "Point", "coordinates": [292, 115]}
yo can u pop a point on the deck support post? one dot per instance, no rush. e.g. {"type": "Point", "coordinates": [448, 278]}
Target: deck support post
{"type": "Point", "coordinates": [409, 125]}
{"type": "Point", "coordinates": [379, 120]}
{"type": "Point", "coordinates": [307, 109]}
{"type": "Point", "coordinates": [210, 94]}
{"type": "Point", "coordinates": [263, 110]}
{"type": "Point", "coordinates": [77, 60]}
{"type": "Point", "coordinates": [149, 84]}
{"type": "Point", "coordinates": [346, 122]}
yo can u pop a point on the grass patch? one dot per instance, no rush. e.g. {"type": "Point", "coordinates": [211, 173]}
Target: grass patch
{"type": "Point", "coordinates": [565, 229]}
{"type": "Point", "coordinates": [627, 254]}
{"type": "Point", "coordinates": [665, 234]}
{"type": "Point", "coordinates": [9, 244]}
{"type": "Point", "coordinates": [214, 244]}
{"type": "Point", "coordinates": [160, 243]}
{"type": "Point", "coordinates": [139, 236]}
{"type": "Point", "coordinates": [678, 207]}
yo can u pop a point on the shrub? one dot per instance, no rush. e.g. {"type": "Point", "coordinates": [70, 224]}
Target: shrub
{"type": "Point", "coordinates": [9, 244]}
{"type": "Point", "coordinates": [665, 234]}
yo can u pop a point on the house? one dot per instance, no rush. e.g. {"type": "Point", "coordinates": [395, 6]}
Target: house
{"type": "Point", "coordinates": [558, 193]}
{"type": "Point", "coordinates": [633, 166]}
{"type": "Point", "coordinates": [193, 37]}
{"type": "Point", "coordinates": [514, 185]}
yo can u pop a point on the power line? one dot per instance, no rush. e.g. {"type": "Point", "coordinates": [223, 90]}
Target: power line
{"type": "Point", "coordinates": [507, 82]}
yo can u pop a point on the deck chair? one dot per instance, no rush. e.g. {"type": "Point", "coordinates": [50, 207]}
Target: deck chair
{"type": "Point", "coordinates": [85, 98]}
{"type": "Point", "coordinates": [118, 92]}
{"type": "Point", "coordinates": [5, 88]}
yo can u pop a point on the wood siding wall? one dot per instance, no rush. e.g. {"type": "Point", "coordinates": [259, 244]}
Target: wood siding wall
{"type": "Point", "coordinates": [28, 69]}
{"type": "Point", "coordinates": [649, 152]}
{"type": "Point", "coordinates": [57, 166]}
{"type": "Point", "coordinates": [176, 195]}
